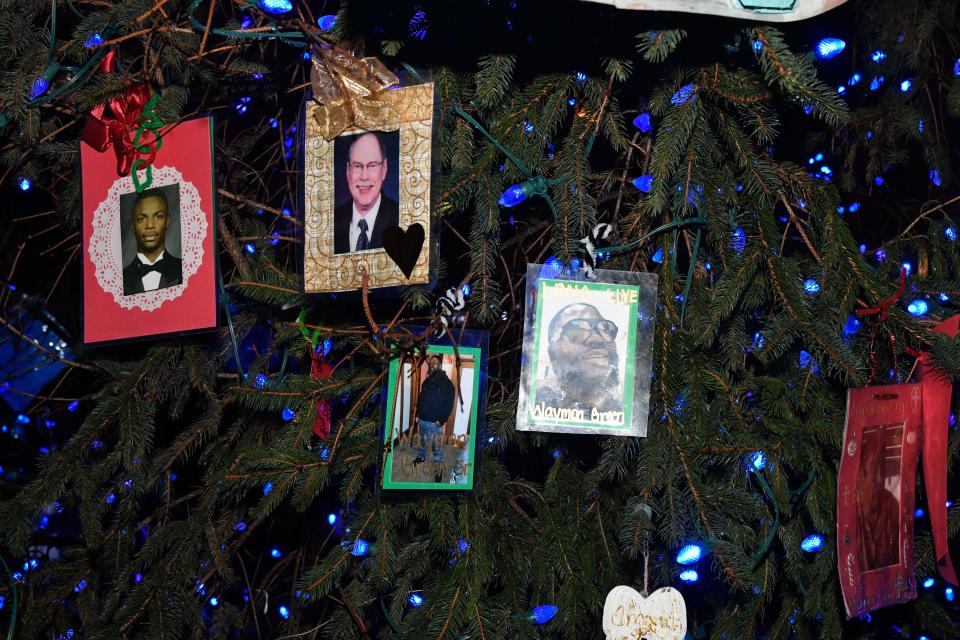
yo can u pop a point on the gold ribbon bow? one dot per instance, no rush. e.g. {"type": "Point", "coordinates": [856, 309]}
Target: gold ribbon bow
{"type": "Point", "coordinates": [347, 88]}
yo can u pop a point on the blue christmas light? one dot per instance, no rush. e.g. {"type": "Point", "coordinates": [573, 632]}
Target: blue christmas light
{"type": "Point", "coordinates": [306, 55]}
{"type": "Point", "coordinates": [418, 25]}
{"type": "Point", "coordinates": [543, 614]}
{"type": "Point", "coordinates": [23, 419]}
{"type": "Point", "coordinates": [528, 127]}
{"type": "Point", "coordinates": [854, 206]}
{"type": "Point", "coordinates": [260, 381]}
{"type": "Point", "coordinates": [643, 123]}
{"type": "Point", "coordinates": [249, 248]}
{"type": "Point", "coordinates": [739, 240]}
{"type": "Point", "coordinates": [907, 267]}
{"type": "Point", "coordinates": [683, 94]}
{"type": "Point", "coordinates": [80, 586]}
{"type": "Point", "coordinates": [812, 543]}
{"type": "Point", "coordinates": [275, 553]}
{"type": "Point", "coordinates": [40, 86]}
{"type": "Point", "coordinates": [111, 498]}
{"type": "Point", "coordinates": [881, 255]}
{"type": "Point", "coordinates": [951, 233]}
{"type": "Point", "coordinates": [93, 40]}
{"type": "Point", "coordinates": [463, 546]}
{"type": "Point", "coordinates": [948, 594]}
{"type": "Point", "coordinates": [513, 196]}
{"type": "Point", "coordinates": [572, 102]}
{"type": "Point", "coordinates": [24, 184]}
{"type": "Point", "coordinates": [267, 488]}
{"type": "Point", "coordinates": [942, 297]}
{"type": "Point", "coordinates": [920, 125]}
{"type": "Point", "coordinates": [830, 48]}
{"type": "Point", "coordinates": [956, 67]}
{"type": "Point", "coordinates": [415, 599]}
{"type": "Point", "coordinates": [919, 513]}
{"type": "Point", "coordinates": [935, 177]}
{"type": "Point", "coordinates": [854, 79]}
{"type": "Point", "coordinates": [360, 548]}
{"type": "Point", "coordinates": [580, 76]}
{"type": "Point", "coordinates": [241, 106]}
{"type": "Point", "coordinates": [246, 22]}
{"type": "Point", "coordinates": [757, 46]}
{"type": "Point", "coordinates": [851, 326]}
{"type": "Point", "coordinates": [905, 85]}
{"type": "Point", "coordinates": [332, 519]}
{"type": "Point", "coordinates": [644, 183]}
{"type": "Point", "coordinates": [928, 583]}
{"type": "Point", "coordinates": [918, 308]}
{"type": "Point", "coordinates": [658, 256]}
{"type": "Point", "coordinates": [758, 460]}
{"type": "Point", "coordinates": [284, 612]}
{"type": "Point", "coordinates": [878, 180]}
{"type": "Point", "coordinates": [841, 89]}
{"type": "Point", "coordinates": [877, 82]}
{"type": "Point", "coordinates": [214, 602]}
{"type": "Point", "coordinates": [287, 414]}
{"type": "Point", "coordinates": [240, 526]}
{"type": "Point", "coordinates": [689, 554]}
{"type": "Point", "coordinates": [137, 578]}
{"type": "Point", "coordinates": [878, 55]}
{"type": "Point", "coordinates": [811, 286]}
{"type": "Point", "coordinates": [276, 7]}
{"type": "Point", "coordinates": [689, 576]}
{"type": "Point", "coordinates": [326, 22]}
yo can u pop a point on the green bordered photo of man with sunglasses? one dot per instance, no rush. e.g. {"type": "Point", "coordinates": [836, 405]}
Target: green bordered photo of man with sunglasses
{"type": "Point", "coordinates": [587, 352]}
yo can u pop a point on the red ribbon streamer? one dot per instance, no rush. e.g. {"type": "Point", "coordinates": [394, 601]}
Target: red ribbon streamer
{"type": "Point", "coordinates": [321, 370]}
{"type": "Point", "coordinates": [883, 307]}
{"type": "Point", "coordinates": [102, 131]}
{"type": "Point", "coordinates": [936, 417]}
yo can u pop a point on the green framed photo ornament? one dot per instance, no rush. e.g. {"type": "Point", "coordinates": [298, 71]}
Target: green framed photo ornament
{"type": "Point", "coordinates": [587, 346]}
{"type": "Point", "coordinates": [433, 414]}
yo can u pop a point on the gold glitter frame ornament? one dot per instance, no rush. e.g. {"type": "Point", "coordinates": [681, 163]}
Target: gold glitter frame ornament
{"type": "Point", "coordinates": [356, 107]}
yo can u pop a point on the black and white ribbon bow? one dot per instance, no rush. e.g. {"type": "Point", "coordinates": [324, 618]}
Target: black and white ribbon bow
{"type": "Point", "coordinates": [590, 242]}
{"type": "Point", "coordinates": [450, 302]}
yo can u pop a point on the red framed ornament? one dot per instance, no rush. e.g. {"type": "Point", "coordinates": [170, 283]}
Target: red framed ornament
{"type": "Point", "coordinates": [126, 295]}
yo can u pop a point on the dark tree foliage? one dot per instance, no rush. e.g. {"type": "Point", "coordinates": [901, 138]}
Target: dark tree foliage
{"type": "Point", "coordinates": [178, 474]}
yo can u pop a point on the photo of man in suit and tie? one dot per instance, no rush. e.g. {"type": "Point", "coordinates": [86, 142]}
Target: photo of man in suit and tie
{"type": "Point", "coordinates": [371, 172]}
{"type": "Point", "coordinates": [153, 266]}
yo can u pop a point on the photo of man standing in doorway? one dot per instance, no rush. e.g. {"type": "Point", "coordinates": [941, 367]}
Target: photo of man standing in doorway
{"type": "Point", "coordinates": [437, 396]}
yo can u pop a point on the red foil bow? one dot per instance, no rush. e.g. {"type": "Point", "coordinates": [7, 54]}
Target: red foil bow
{"type": "Point", "coordinates": [101, 131]}
{"type": "Point", "coordinates": [936, 418]}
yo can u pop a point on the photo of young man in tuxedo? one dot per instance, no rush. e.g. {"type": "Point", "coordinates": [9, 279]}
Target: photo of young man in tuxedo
{"type": "Point", "coordinates": [366, 192]}
{"type": "Point", "coordinates": [154, 223]}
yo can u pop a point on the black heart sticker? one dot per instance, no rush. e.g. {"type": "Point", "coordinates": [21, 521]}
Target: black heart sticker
{"type": "Point", "coordinates": [404, 246]}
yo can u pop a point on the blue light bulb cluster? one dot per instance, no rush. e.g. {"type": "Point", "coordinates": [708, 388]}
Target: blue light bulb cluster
{"type": "Point", "coordinates": [829, 48]}
{"type": "Point", "coordinates": [689, 554]}
{"type": "Point", "coordinates": [643, 123]}
{"type": "Point", "coordinates": [360, 548]}
{"type": "Point", "coordinates": [689, 576]}
{"type": "Point", "coordinates": [811, 286]}
{"type": "Point", "coordinates": [918, 308]}
{"type": "Point", "coordinates": [683, 95]}
{"type": "Point", "coordinates": [276, 7]}
{"type": "Point", "coordinates": [812, 543]}
{"type": "Point", "coordinates": [543, 614]}
{"type": "Point", "coordinates": [93, 41]}
{"type": "Point", "coordinates": [644, 183]}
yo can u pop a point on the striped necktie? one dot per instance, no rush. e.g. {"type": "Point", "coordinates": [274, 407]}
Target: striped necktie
{"type": "Point", "coordinates": [363, 242]}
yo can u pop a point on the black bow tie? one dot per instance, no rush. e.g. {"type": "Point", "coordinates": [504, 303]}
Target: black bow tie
{"type": "Point", "coordinates": [144, 269]}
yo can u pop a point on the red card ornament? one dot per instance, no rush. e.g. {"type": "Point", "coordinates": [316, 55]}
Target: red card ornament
{"type": "Point", "coordinates": [875, 496]}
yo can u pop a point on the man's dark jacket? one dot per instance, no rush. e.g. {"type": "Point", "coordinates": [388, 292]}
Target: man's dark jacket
{"type": "Point", "coordinates": [170, 268]}
{"type": "Point", "coordinates": [389, 215]}
{"type": "Point", "coordinates": [436, 398]}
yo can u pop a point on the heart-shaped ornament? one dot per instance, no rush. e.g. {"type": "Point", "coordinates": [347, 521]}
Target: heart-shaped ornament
{"type": "Point", "coordinates": [404, 247]}
{"type": "Point", "coordinates": [627, 615]}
